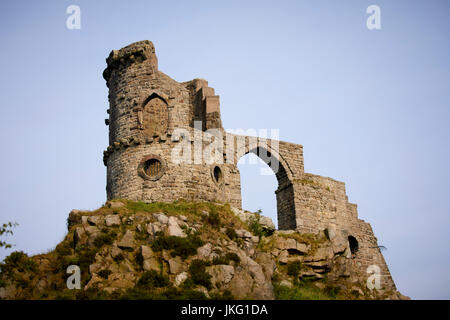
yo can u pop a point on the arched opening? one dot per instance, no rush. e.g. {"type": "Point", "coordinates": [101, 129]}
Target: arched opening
{"type": "Point", "coordinates": [155, 116]}
{"type": "Point", "coordinates": [217, 174]}
{"type": "Point", "coordinates": [266, 186]}
{"type": "Point", "coordinates": [353, 243]}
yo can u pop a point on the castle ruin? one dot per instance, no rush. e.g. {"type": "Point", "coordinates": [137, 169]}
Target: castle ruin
{"type": "Point", "coordinates": [146, 111]}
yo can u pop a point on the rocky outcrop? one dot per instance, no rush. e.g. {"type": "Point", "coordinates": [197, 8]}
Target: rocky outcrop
{"type": "Point", "coordinates": [134, 250]}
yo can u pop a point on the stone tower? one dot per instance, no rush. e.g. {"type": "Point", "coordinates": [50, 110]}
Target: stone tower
{"type": "Point", "coordinates": [160, 131]}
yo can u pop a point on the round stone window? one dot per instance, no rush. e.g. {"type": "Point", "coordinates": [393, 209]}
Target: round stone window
{"type": "Point", "coordinates": [217, 174]}
{"type": "Point", "coordinates": [151, 168]}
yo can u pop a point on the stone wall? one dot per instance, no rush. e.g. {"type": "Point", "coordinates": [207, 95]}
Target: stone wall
{"type": "Point", "coordinates": [147, 110]}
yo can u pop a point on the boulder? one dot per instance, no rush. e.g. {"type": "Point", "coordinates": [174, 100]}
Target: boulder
{"type": "Point", "coordinates": [204, 252]}
{"type": "Point", "coordinates": [96, 220]}
{"type": "Point", "coordinates": [115, 204]}
{"type": "Point", "coordinates": [74, 217]}
{"type": "Point", "coordinates": [127, 241]}
{"type": "Point", "coordinates": [176, 265]}
{"type": "Point", "coordinates": [79, 236]}
{"type": "Point", "coordinates": [180, 278]}
{"type": "Point", "coordinates": [322, 253]}
{"type": "Point", "coordinates": [174, 228]}
{"type": "Point", "coordinates": [267, 224]}
{"type": "Point", "coordinates": [242, 233]}
{"type": "Point", "coordinates": [145, 252]}
{"type": "Point", "coordinates": [286, 283]}
{"type": "Point", "coordinates": [112, 220]}
{"type": "Point", "coordinates": [153, 228]}
{"type": "Point", "coordinates": [161, 217]}
{"type": "Point", "coordinates": [221, 274]}
{"type": "Point", "coordinates": [151, 264]}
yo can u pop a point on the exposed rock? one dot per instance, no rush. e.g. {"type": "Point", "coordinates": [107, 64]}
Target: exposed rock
{"type": "Point", "coordinates": [291, 245]}
{"type": "Point", "coordinates": [204, 252]}
{"type": "Point", "coordinates": [79, 237]}
{"type": "Point", "coordinates": [283, 258]}
{"type": "Point", "coordinates": [115, 252]}
{"type": "Point", "coordinates": [220, 274]}
{"type": "Point", "coordinates": [286, 283]}
{"type": "Point", "coordinates": [174, 229]}
{"type": "Point", "coordinates": [95, 280]}
{"type": "Point", "coordinates": [151, 264]}
{"type": "Point", "coordinates": [115, 204]}
{"type": "Point", "coordinates": [161, 217]}
{"type": "Point", "coordinates": [127, 241]}
{"type": "Point", "coordinates": [74, 217]}
{"type": "Point", "coordinates": [112, 220]}
{"type": "Point", "coordinates": [176, 265]}
{"type": "Point", "coordinates": [96, 220]}
{"type": "Point", "coordinates": [267, 224]}
{"type": "Point", "coordinates": [153, 228]}
{"type": "Point", "coordinates": [145, 252]}
{"type": "Point", "coordinates": [267, 263]}
{"type": "Point", "coordinates": [242, 233]}
{"type": "Point", "coordinates": [180, 278]}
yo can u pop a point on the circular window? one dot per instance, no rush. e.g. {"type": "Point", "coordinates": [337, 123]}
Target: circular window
{"type": "Point", "coordinates": [217, 175]}
{"type": "Point", "coordinates": [151, 168]}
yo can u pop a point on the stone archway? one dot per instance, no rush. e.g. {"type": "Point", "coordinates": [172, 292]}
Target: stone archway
{"type": "Point", "coordinates": [154, 119]}
{"type": "Point", "coordinates": [285, 190]}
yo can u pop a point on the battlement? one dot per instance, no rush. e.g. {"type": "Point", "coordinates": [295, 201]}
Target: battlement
{"type": "Point", "coordinates": [134, 53]}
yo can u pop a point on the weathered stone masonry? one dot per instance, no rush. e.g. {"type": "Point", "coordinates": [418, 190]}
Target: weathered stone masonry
{"type": "Point", "coordinates": [146, 106]}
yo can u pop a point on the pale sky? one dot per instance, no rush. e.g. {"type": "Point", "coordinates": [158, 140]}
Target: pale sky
{"type": "Point", "coordinates": [370, 107]}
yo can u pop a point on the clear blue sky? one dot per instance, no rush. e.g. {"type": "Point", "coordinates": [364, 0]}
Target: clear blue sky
{"type": "Point", "coordinates": [371, 108]}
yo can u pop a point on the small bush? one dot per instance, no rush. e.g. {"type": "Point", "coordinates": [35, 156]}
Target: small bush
{"type": "Point", "coordinates": [226, 295]}
{"type": "Point", "coordinates": [213, 219]}
{"type": "Point", "coordinates": [20, 261]}
{"type": "Point", "coordinates": [199, 276]}
{"type": "Point", "coordinates": [227, 258]}
{"type": "Point", "coordinates": [183, 247]}
{"type": "Point", "coordinates": [255, 226]}
{"type": "Point", "coordinates": [152, 279]}
{"type": "Point", "coordinates": [231, 233]}
{"type": "Point", "coordinates": [64, 249]}
{"type": "Point", "coordinates": [105, 238]}
{"type": "Point", "coordinates": [294, 269]}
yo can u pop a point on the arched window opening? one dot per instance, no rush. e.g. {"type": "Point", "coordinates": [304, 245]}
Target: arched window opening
{"type": "Point", "coordinates": [217, 174]}
{"type": "Point", "coordinates": [353, 243]}
{"type": "Point", "coordinates": [258, 188]}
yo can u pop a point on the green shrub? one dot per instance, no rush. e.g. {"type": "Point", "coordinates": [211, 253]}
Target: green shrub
{"type": "Point", "coordinates": [105, 238]}
{"type": "Point", "coordinates": [300, 291]}
{"type": "Point", "coordinates": [152, 279]}
{"type": "Point", "coordinates": [294, 269]}
{"type": "Point", "coordinates": [20, 261]}
{"type": "Point", "coordinates": [231, 233]}
{"type": "Point", "coordinates": [227, 258]}
{"type": "Point", "coordinates": [213, 219]}
{"type": "Point", "coordinates": [64, 249]}
{"type": "Point", "coordinates": [199, 276]}
{"type": "Point", "coordinates": [255, 226]}
{"type": "Point", "coordinates": [226, 295]}
{"type": "Point", "coordinates": [183, 247]}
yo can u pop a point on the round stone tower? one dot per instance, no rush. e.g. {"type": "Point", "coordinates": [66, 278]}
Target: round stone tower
{"type": "Point", "coordinates": [147, 111]}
